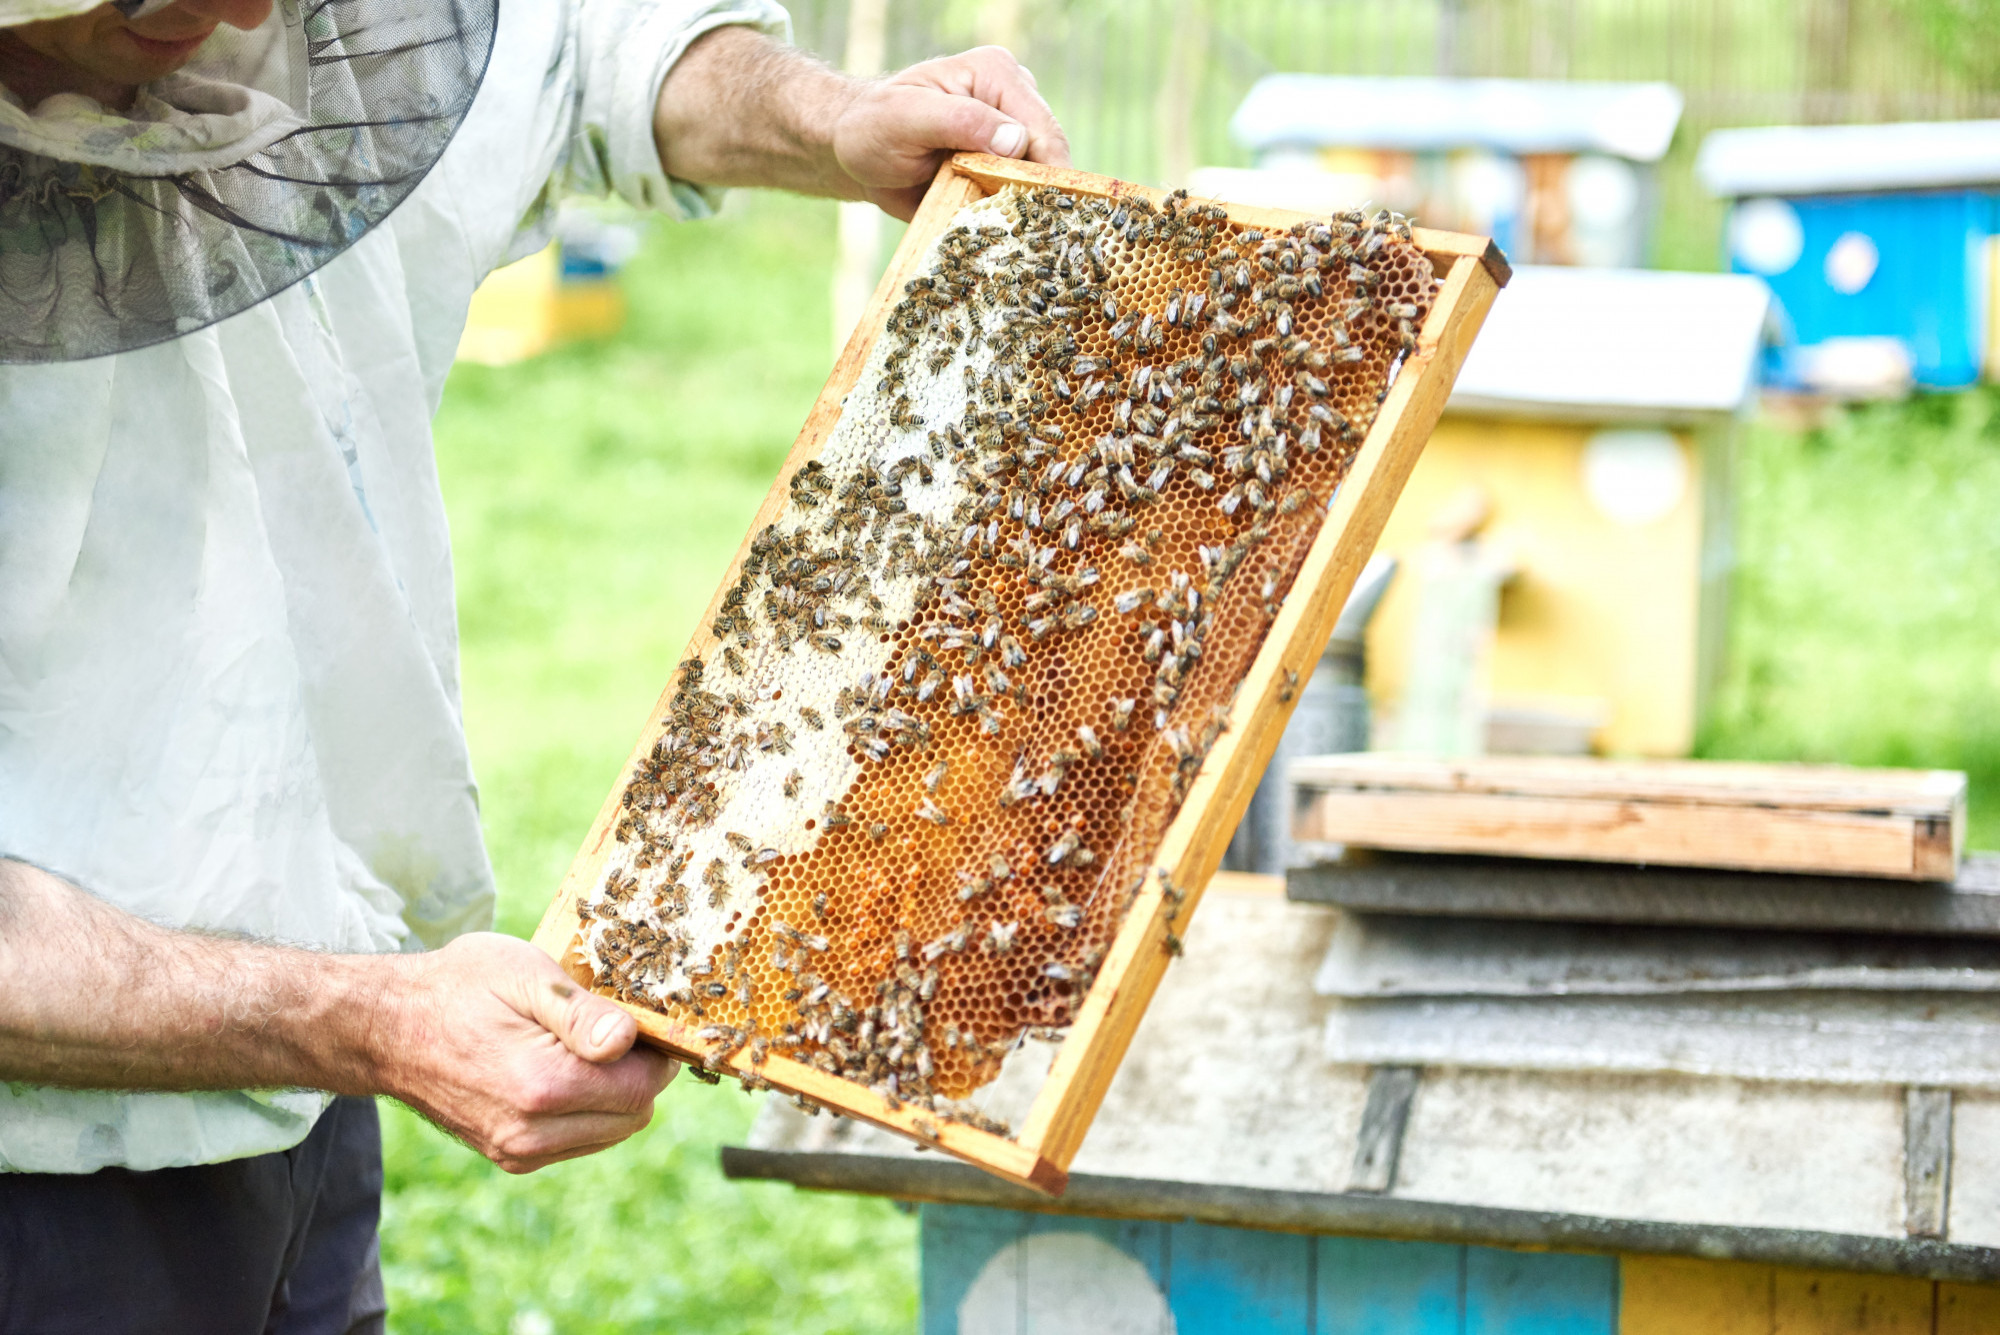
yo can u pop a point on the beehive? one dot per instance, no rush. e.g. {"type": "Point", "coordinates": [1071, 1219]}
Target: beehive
{"type": "Point", "coordinates": [976, 707]}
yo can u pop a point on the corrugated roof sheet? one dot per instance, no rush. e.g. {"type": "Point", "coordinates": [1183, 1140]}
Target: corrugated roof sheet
{"type": "Point", "coordinates": [1617, 344]}
{"type": "Point", "coordinates": [1627, 120]}
{"type": "Point", "coordinates": [1826, 159]}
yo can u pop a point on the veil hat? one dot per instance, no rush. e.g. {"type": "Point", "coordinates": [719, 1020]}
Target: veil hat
{"type": "Point", "coordinates": [269, 153]}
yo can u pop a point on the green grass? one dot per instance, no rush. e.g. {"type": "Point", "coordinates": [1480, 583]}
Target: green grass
{"type": "Point", "coordinates": [1866, 614]}
{"type": "Point", "coordinates": [596, 495]}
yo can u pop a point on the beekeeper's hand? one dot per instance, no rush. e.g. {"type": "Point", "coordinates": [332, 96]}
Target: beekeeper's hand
{"type": "Point", "coordinates": [486, 1036]}
{"type": "Point", "coordinates": [742, 109]}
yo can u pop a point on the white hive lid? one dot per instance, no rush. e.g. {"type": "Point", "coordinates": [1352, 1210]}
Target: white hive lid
{"type": "Point", "coordinates": [1627, 120]}
{"type": "Point", "coordinates": [1617, 345]}
{"type": "Point", "coordinates": [1818, 159]}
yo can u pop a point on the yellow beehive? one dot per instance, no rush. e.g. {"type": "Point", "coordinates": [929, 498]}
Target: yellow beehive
{"type": "Point", "coordinates": [1017, 620]}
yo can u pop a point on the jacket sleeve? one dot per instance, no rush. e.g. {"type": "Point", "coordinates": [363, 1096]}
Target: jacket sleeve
{"type": "Point", "coordinates": [606, 78]}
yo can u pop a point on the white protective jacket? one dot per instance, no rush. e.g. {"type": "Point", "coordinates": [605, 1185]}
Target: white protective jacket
{"type": "Point", "coordinates": [228, 650]}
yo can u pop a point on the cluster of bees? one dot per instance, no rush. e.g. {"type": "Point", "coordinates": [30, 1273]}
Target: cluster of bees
{"type": "Point", "coordinates": [1055, 593]}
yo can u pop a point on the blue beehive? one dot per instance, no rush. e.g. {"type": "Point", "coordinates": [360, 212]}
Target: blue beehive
{"type": "Point", "coordinates": [1876, 240]}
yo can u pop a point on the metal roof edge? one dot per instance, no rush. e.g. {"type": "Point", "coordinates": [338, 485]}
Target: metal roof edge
{"type": "Point", "coordinates": [1589, 345]}
{"type": "Point", "coordinates": [1875, 158]}
{"type": "Point", "coordinates": [1588, 411]}
{"type": "Point", "coordinates": [1632, 119]}
{"type": "Point", "coordinates": [946, 1183]}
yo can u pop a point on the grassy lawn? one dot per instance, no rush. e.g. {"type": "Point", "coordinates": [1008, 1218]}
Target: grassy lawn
{"type": "Point", "coordinates": [596, 495]}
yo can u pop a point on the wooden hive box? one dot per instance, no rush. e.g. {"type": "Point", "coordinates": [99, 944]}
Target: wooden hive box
{"type": "Point", "coordinates": [1189, 760]}
{"type": "Point", "coordinates": [1828, 819]}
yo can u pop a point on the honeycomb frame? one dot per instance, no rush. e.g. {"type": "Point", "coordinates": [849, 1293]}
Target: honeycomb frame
{"type": "Point", "coordinates": [1470, 272]}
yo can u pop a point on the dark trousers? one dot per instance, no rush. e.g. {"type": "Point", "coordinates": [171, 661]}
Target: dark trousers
{"type": "Point", "coordinates": [278, 1244]}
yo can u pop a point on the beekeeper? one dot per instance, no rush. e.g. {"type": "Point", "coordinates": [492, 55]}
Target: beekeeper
{"type": "Point", "coordinates": [241, 879]}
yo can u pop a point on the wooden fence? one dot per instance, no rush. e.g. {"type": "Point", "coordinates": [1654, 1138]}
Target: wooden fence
{"type": "Point", "coordinates": [1146, 87]}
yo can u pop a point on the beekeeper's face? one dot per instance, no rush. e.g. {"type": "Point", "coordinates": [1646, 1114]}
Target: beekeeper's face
{"type": "Point", "coordinates": [102, 47]}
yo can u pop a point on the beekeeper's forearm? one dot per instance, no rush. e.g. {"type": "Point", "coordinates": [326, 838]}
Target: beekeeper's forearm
{"type": "Point", "coordinates": [93, 997]}
{"type": "Point", "coordinates": [741, 109]}
{"type": "Point", "coordinates": [487, 1037]}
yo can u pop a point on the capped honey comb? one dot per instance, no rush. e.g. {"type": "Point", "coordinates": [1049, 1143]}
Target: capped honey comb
{"type": "Point", "coordinates": [903, 795]}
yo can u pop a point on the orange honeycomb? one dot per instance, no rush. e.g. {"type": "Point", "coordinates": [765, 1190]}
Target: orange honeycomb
{"type": "Point", "coordinates": [958, 689]}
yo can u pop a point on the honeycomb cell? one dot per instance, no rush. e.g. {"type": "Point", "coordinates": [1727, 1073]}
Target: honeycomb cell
{"type": "Point", "coordinates": [954, 694]}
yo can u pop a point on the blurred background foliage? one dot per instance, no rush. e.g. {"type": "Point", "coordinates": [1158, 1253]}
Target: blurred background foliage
{"type": "Point", "coordinates": [597, 493]}
{"type": "Point", "coordinates": [1145, 88]}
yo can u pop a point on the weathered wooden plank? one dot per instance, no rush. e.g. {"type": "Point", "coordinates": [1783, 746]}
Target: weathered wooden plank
{"type": "Point", "coordinates": [931, 1178]}
{"type": "Point", "coordinates": [1677, 1295]}
{"type": "Point", "coordinates": [1685, 835]}
{"type": "Point", "coordinates": [1900, 824]}
{"type": "Point", "coordinates": [1968, 1309]}
{"type": "Point", "coordinates": [1226, 1280]}
{"type": "Point", "coordinates": [1369, 1286]}
{"type": "Point", "coordinates": [1146, 1241]}
{"type": "Point", "coordinates": [1926, 1161]}
{"type": "Point", "coordinates": [1828, 1302]}
{"type": "Point", "coordinates": [954, 1244]}
{"type": "Point", "coordinates": [994, 1271]}
{"type": "Point", "coordinates": [1391, 1091]}
{"type": "Point", "coordinates": [1742, 783]}
{"type": "Point", "coordinates": [1540, 1293]}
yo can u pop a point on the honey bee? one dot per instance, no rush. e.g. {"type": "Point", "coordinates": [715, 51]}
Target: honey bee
{"type": "Point", "coordinates": [1078, 615]}
{"type": "Point", "coordinates": [1064, 847]}
{"type": "Point", "coordinates": [792, 782]}
{"type": "Point", "coordinates": [733, 660]}
{"type": "Point", "coordinates": [1132, 600]}
{"type": "Point", "coordinates": [812, 717]}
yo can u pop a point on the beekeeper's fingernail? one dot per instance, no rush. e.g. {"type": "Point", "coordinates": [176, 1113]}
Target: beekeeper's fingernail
{"type": "Point", "coordinates": [606, 1026]}
{"type": "Point", "coordinates": [1008, 140]}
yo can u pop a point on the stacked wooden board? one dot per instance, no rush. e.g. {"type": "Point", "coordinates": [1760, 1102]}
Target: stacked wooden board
{"type": "Point", "coordinates": [1826, 819]}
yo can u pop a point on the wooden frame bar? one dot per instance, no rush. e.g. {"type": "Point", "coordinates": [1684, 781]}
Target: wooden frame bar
{"type": "Point", "coordinates": [1471, 273]}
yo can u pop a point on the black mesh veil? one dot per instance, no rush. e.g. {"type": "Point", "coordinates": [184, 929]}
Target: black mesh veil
{"type": "Point", "coordinates": [108, 255]}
